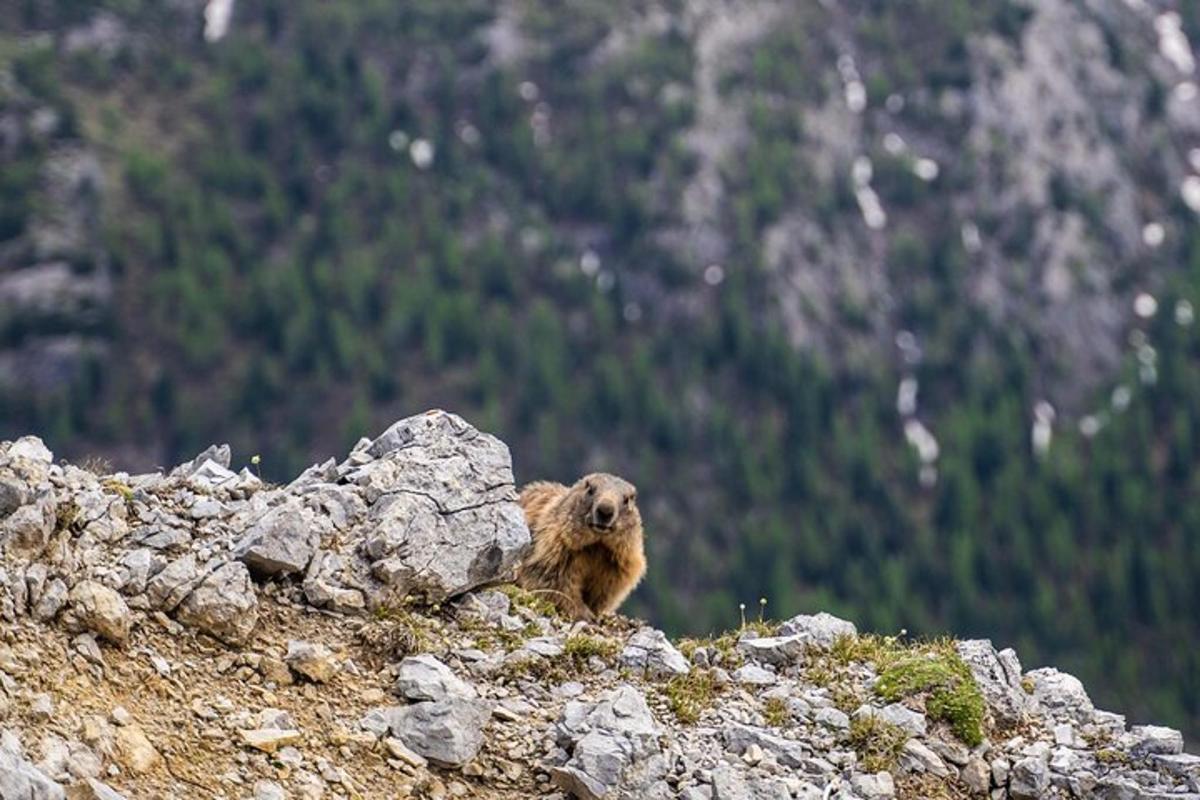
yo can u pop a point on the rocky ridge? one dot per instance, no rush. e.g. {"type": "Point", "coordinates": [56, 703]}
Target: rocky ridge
{"type": "Point", "coordinates": [199, 633]}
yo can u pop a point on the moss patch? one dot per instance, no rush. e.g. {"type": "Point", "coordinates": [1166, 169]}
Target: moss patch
{"type": "Point", "coordinates": [932, 670]}
{"type": "Point", "coordinates": [951, 695]}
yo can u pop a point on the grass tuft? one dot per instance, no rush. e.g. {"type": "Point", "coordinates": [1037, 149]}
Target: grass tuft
{"type": "Point", "coordinates": [577, 650]}
{"type": "Point", "coordinates": [775, 712]}
{"type": "Point", "coordinates": [537, 602]}
{"type": "Point", "coordinates": [877, 742]}
{"type": "Point", "coordinates": [690, 695]}
{"type": "Point", "coordinates": [580, 648]}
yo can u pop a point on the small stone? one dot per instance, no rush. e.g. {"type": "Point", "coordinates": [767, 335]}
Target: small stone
{"type": "Point", "coordinates": [41, 707]}
{"type": "Point", "coordinates": [873, 787]}
{"type": "Point", "coordinates": [134, 751]}
{"type": "Point", "coordinates": [311, 660]}
{"type": "Point", "coordinates": [268, 790]}
{"type": "Point", "coordinates": [269, 740]}
{"type": "Point", "coordinates": [51, 601]}
{"type": "Point", "coordinates": [818, 630]}
{"type": "Point", "coordinates": [832, 718]}
{"type": "Point", "coordinates": [976, 775]}
{"type": "Point", "coordinates": [998, 675]}
{"type": "Point", "coordinates": [398, 750]}
{"type": "Point", "coordinates": [1000, 771]}
{"type": "Point", "coordinates": [754, 675]}
{"type": "Point", "coordinates": [120, 716]}
{"type": "Point", "coordinates": [1156, 740]}
{"type": "Point", "coordinates": [778, 650]}
{"type": "Point", "coordinates": [276, 671]}
{"type": "Point", "coordinates": [1061, 695]}
{"type": "Point", "coordinates": [917, 757]}
{"type": "Point", "coordinates": [282, 541]}
{"type": "Point", "coordinates": [650, 651]}
{"type": "Point", "coordinates": [447, 732]}
{"type": "Point", "coordinates": [423, 677]}
{"type": "Point", "coordinates": [729, 784]}
{"type": "Point", "coordinates": [224, 604]}
{"type": "Point", "coordinates": [911, 721]}
{"type": "Point", "coordinates": [100, 609]}
{"type": "Point", "coordinates": [1029, 780]}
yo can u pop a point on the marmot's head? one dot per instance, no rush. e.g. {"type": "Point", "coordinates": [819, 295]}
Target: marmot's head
{"type": "Point", "coordinates": [606, 504]}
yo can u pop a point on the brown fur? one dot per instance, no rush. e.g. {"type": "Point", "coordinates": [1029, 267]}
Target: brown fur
{"type": "Point", "coordinates": [588, 567]}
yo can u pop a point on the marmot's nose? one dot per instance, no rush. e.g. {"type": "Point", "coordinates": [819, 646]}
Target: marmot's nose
{"type": "Point", "coordinates": [605, 512]}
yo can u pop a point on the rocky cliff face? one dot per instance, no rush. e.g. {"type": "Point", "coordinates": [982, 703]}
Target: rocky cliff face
{"type": "Point", "coordinates": [200, 634]}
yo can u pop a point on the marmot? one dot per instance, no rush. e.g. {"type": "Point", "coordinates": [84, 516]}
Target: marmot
{"type": "Point", "coordinates": [587, 543]}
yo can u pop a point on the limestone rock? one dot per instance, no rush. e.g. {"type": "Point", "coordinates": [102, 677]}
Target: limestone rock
{"type": "Point", "coordinates": [423, 677]}
{"type": "Point", "coordinates": [173, 583]}
{"type": "Point", "coordinates": [1156, 739]}
{"type": "Point", "coordinates": [439, 485]}
{"type": "Point", "coordinates": [817, 630]}
{"type": "Point", "coordinates": [613, 746]}
{"type": "Point", "coordinates": [269, 740]}
{"type": "Point", "coordinates": [778, 650]}
{"type": "Point", "coordinates": [224, 604]}
{"type": "Point", "coordinates": [312, 660]}
{"type": "Point", "coordinates": [998, 675]}
{"type": "Point", "coordinates": [1061, 694]}
{"type": "Point", "coordinates": [25, 532]}
{"type": "Point", "coordinates": [650, 652]}
{"type": "Point", "coordinates": [788, 752]}
{"type": "Point", "coordinates": [447, 732]}
{"type": "Point", "coordinates": [100, 609]}
{"type": "Point", "coordinates": [912, 722]}
{"type": "Point", "coordinates": [20, 779]}
{"type": "Point", "coordinates": [282, 541]}
{"type": "Point", "coordinates": [133, 749]}
{"type": "Point", "coordinates": [1029, 780]}
{"type": "Point", "coordinates": [874, 787]}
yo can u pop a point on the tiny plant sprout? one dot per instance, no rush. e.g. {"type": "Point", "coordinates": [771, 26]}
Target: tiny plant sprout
{"type": "Point", "coordinates": [762, 608]}
{"type": "Point", "coordinates": [742, 611]}
{"type": "Point", "coordinates": [256, 459]}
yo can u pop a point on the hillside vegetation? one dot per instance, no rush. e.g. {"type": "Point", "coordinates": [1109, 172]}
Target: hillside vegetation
{"type": "Point", "coordinates": [645, 237]}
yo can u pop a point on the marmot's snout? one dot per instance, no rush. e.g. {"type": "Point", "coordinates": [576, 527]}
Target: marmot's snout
{"type": "Point", "coordinates": [604, 513]}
